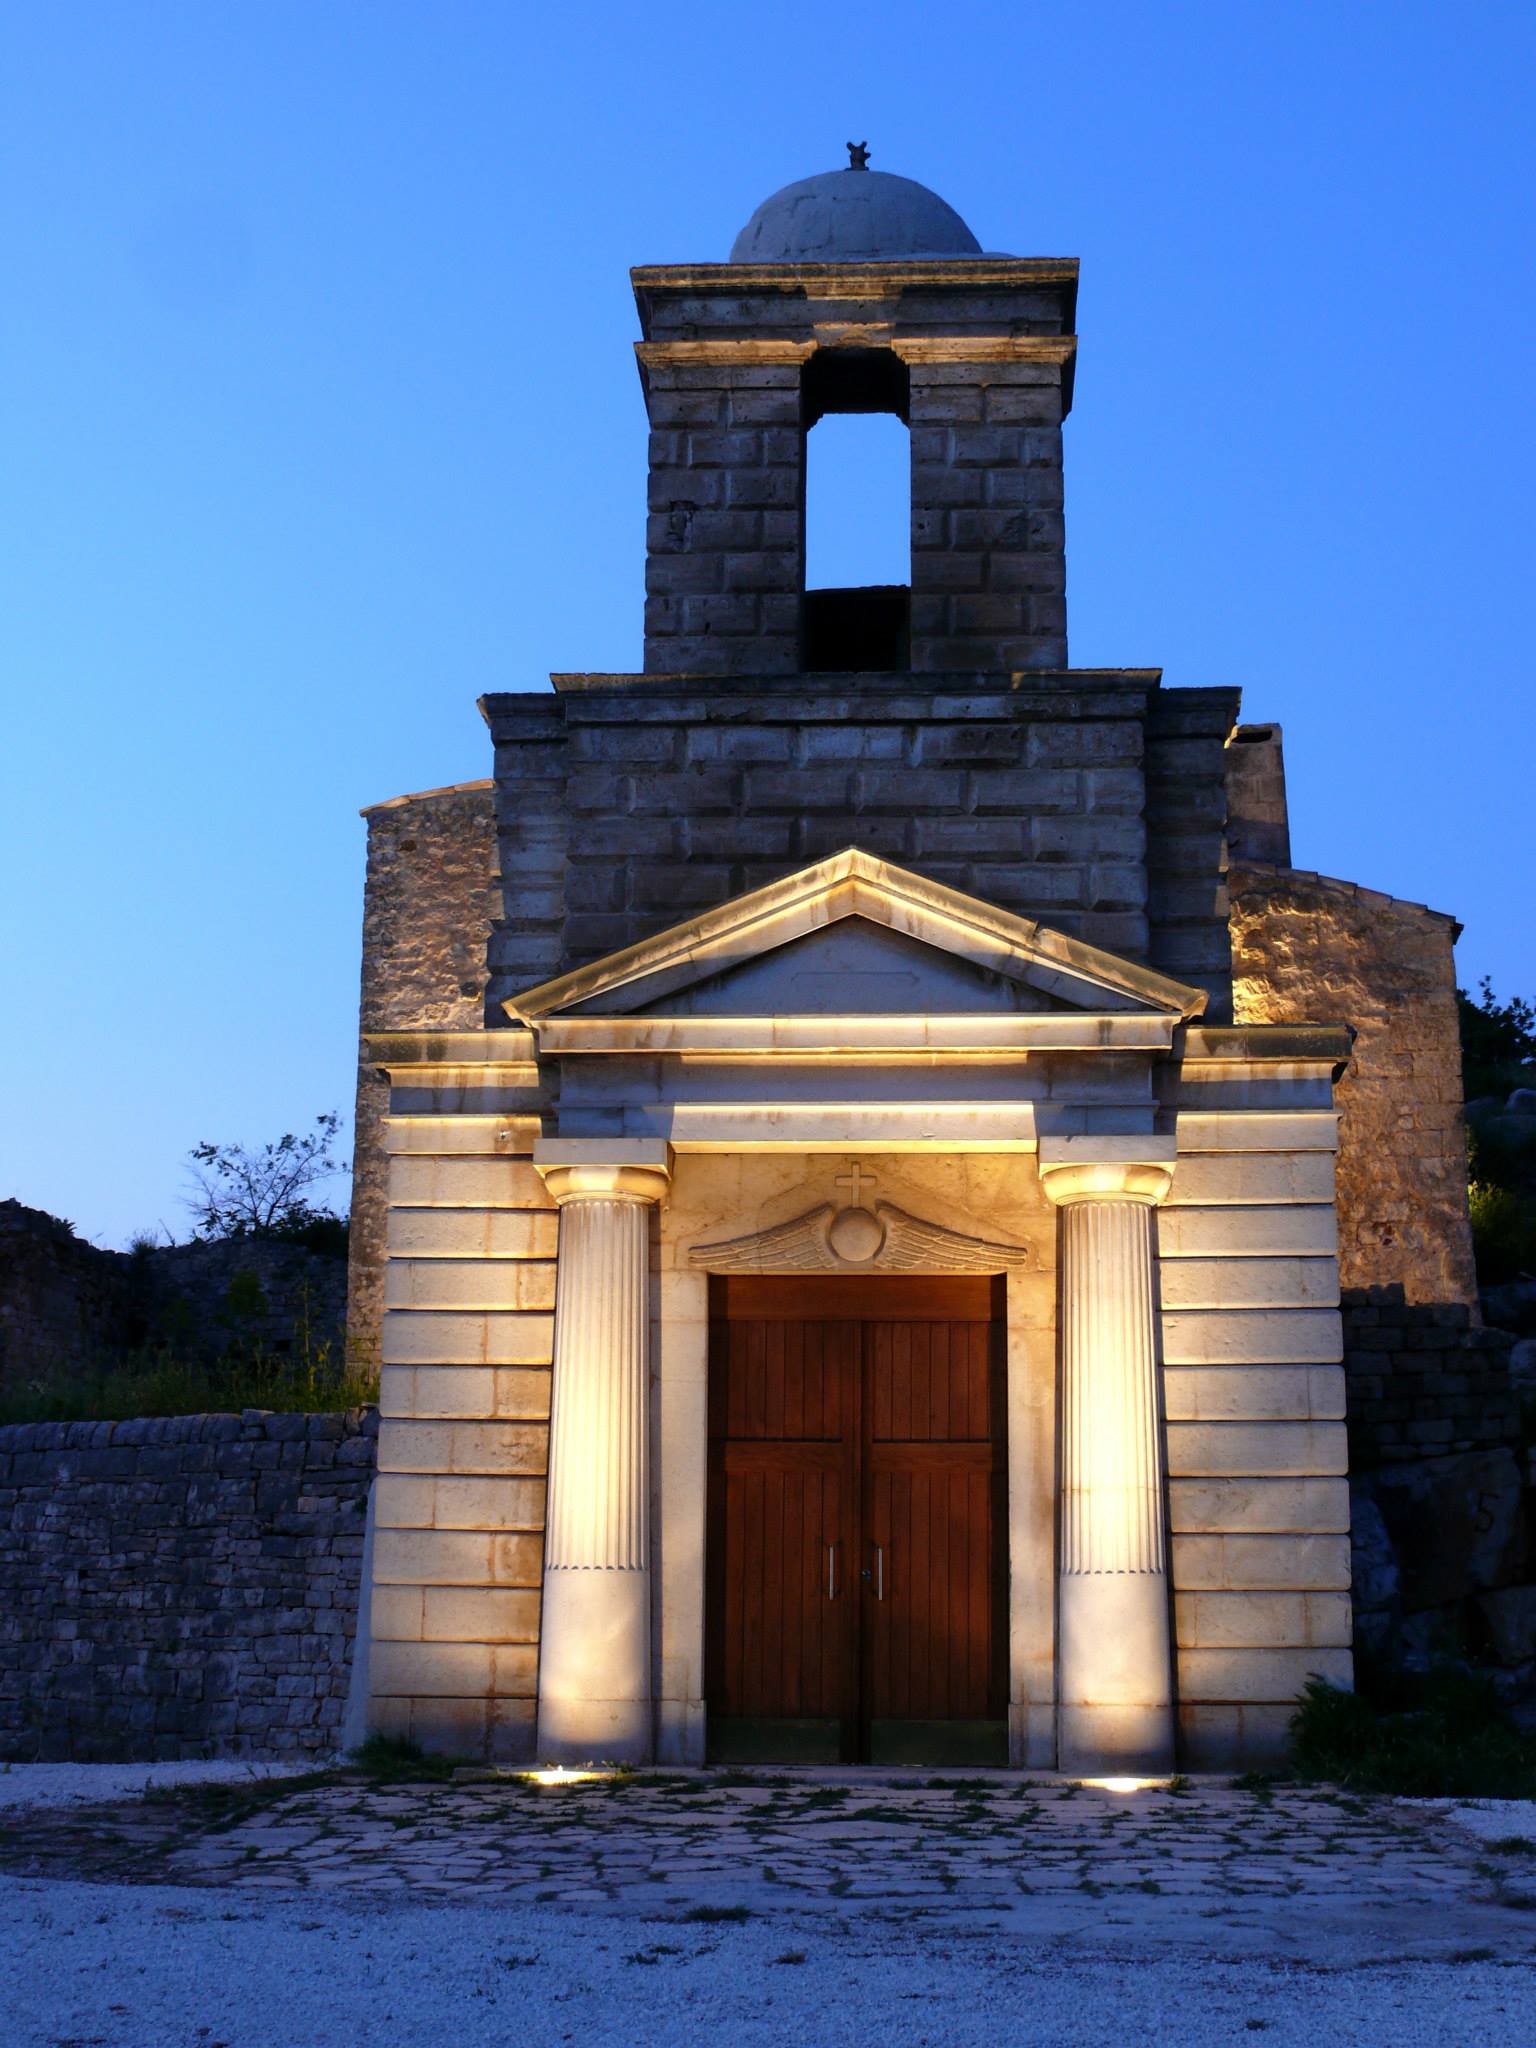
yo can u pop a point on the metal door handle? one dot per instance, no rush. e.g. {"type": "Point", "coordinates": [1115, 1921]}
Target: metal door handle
{"type": "Point", "coordinates": [831, 1571]}
{"type": "Point", "coordinates": [879, 1571]}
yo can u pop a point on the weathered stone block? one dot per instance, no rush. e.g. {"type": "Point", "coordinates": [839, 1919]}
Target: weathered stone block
{"type": "Point", "coordinates": [1253, 1231]}
{"type": "Point", "coordinates": [1259, 1674]}
{"type": "Point", "coordinates": [1231, 1737]}
{"type": "Point", "coordinates": [445, 1337]}
{"type": "Point", "coordinates": [452, 1557]}
{"type": "Point", "coordinates": [478, 1447]}
{"type": "Point", "coordinates": [1245, 1448]}
{"type": "Point", "coordinates": [1252, 1336]}
{"type": "Point", "coordinates": [1301, 1507]}
{"type": "Point", "coordinates": [1230, 1620]}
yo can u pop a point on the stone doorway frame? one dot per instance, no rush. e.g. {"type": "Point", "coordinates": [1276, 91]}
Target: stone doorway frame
{"type": "Point", "coordinates": [679, 1435]}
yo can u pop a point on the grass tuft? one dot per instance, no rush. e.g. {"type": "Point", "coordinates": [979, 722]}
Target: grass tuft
{"type": "Point", "coordinates": [315, 1379]}
{"type": "Point", "coordinates": [1443, 1734]}
{"type": "Point", "coordinates": [390, 1760]}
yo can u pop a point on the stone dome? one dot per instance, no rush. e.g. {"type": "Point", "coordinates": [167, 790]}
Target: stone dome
{"type": "Point", "coordinates": [853, 216]}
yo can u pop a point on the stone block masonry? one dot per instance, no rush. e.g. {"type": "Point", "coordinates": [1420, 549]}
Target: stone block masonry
{"type": "Point", "coordinates": [431, 899]}
{"type": "Point", "coordinates": [180, 1587]}
{"type": "Point", "coordinates": [623, 802]}
{"type": "Point", "coordinates": [737, 364]}
{"type": "Point", "coordinates": [1254, 1405]}
{"type": "Point", "coordinates": [469, 1288]}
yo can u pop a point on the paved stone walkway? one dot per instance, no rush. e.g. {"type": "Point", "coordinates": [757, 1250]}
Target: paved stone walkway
{"type": "Point", "coordinates": [1294, 1871]}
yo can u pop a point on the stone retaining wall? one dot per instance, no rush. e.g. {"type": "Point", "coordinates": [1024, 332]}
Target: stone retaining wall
{"type": "Point", "coordinates": [185, 1586]}
{"type": "Point", "coordinates": [1422, 1381]}
{"type": "Point", "coordinates": [1443, 1494]}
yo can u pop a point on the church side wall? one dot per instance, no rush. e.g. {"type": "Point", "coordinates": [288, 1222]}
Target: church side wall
{"type": "Point", "coordinates": [1310, 949]}
{"type": "Point", "coordinates": [1254, 1400]}
{"type": "Point", "coordinates": [468, 1339]}
{"type": "Point", "coordinates": [431, 895]}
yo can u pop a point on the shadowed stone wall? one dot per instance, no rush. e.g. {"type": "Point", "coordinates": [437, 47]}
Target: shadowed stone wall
{"type": "Point", "coordinates": [431, 898]}
{"type": "Point", "coordinates": [68, 1308]}
{"type": "Point", "coordinates": [1093, 800]}
{"type": "Point", "coordinates": [1443, 1489]}
{"type": "Point", "coordinates": [180, 1587]}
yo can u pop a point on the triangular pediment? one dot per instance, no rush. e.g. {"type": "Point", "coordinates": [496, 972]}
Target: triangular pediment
{"type": "Point", "coordinates": [855, 935]}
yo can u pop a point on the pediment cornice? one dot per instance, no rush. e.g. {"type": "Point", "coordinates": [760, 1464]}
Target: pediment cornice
{"type": "Point", "coordinates": [1070, 976]}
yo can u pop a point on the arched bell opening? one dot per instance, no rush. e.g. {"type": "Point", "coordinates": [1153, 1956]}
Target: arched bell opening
{"type": "Point", "coordinates": [858, 595]}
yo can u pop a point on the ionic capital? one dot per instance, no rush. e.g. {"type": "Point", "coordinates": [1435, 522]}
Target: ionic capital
{"type": "Point", "coordinates": [598, 1170]}
{"type": "Point", "coordinates": [1136, 1169]}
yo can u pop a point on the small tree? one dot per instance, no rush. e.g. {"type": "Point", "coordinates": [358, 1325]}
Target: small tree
{"type": "Point", "coordinates": [1498, 1040]}
{"type": "Point", "coordinates": [246, 1191]}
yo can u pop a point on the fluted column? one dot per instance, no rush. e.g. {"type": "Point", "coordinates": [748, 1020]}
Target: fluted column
{"type": "Point", "coordinates": [1115, 1675]}
{"type": "Point", "coordinates": [595, 1627]}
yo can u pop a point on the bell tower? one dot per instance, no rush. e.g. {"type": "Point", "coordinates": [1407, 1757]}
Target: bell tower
{"type": "Point", "coordinates": [856, 291]}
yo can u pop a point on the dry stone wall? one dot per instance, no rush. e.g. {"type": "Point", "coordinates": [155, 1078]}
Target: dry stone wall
{"type": "Point", "coordinates": [180, 1587]}
{"type": "Point", "coordinates": [430, 900]}
{"type": "Point", "coordinates": [1443, 1486]}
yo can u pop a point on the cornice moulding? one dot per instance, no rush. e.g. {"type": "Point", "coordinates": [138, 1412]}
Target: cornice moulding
{"type": "Point", "coordinates": [897, 1038]}
{"type": "Point", "coordinates": [656, 355]}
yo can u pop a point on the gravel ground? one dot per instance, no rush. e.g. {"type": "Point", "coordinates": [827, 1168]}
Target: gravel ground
{"type": "Point", "coordinates": [38, 1785]}
{"type": "Point", "coordinates": [225, 1965]}
{"type": "Point", "coordinates": [95, 1966]}
{"type": "Point", "coordinates": [1491, 1820]}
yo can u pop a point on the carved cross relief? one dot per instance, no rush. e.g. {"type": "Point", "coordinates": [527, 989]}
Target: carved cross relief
{"type": "Point", "coordinates": [859, 1238]}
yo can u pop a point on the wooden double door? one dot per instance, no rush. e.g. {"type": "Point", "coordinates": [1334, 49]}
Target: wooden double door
{"type": "Point", "coordinates": [856, 1589]}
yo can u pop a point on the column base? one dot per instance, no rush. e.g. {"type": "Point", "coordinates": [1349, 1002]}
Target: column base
{"type": "Point", "coordinates": [580, 1732]}
{"type": "Point", "coordinates": [1115, 1717]}
{"type": "Point", "coordinates": [1115, 1742]}
{"type": "Point", "coordinates": [595, 1667]}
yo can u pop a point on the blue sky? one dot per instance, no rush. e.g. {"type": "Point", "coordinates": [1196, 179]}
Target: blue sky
{"type": "Point", "coordinates": [321, 420]}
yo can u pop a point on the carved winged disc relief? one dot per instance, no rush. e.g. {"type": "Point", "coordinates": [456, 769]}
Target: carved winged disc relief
{"type": "Point", "coordinates": [831, 1240]}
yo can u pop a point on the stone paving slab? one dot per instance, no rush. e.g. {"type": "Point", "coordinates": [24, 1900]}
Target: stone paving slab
{"type": "Point", "coordinates": [1211, 1863]}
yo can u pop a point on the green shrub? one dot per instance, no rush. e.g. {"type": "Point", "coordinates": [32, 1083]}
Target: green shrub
{"type": "Point", "coordinates": [1442, 1735]}
{"type": "Point", "coordinates": [313, 1379]}
{"type": "Point", "coordinates": [1498, 1040]}
{"type": "Point", "coordinates": [1503, 1231]}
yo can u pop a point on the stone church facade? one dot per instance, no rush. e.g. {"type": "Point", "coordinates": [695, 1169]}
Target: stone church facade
{"type": "Point", "coordinates": [860, 1124]}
